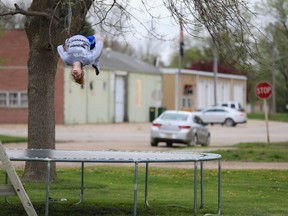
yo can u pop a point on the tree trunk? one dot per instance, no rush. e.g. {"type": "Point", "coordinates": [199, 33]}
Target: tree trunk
{"type": "Point", "coordinates": [42, 65]}
{"type": "Point", "coordinates": [41, 123]}
{"type": "Point", "coordinates": [44, 34]}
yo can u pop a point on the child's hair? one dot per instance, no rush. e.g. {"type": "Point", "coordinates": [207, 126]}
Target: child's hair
{"type": "Point", "coordinates": [79, 81]}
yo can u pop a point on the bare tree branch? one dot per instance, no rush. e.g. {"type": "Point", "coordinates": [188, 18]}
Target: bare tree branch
{"type": "Point", "coordinates": [18, 10]}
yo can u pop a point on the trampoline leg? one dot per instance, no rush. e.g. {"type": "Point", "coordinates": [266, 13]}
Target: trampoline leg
{"type": "Point", "coordinates": [82, 184]}
{"type": "Point", "coordinates": [47, 189]}
{"type": "Point", "coordinates": [202, 184]}
{"type": "Point", "coordinates": [6, 182]}
{"type": "Point", "coordinates": [135, 187]}
{"type": "Point", "coordinates": [146, 185]}
{"type": "Point", "coordinates": [195, 188]}
{"type": "Point", "coordinates": [219, 187]}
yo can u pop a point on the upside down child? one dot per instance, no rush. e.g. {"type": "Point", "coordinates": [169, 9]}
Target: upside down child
{"type": "Point", "coordinates": [79, 51]}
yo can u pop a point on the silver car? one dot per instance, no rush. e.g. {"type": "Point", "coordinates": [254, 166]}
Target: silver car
{"type": "Point", "coordinates": [222, 115]}
{"type": "Point", "coordinates": [179, 127]}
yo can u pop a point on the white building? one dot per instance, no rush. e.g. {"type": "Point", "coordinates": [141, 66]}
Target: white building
{"type": "Point", "coordinates": [196, 89]}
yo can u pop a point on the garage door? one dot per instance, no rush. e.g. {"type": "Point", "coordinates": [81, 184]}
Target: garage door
{"type": "Point", "coordinates": [205, 97]}
{"type": "Point", "coordinates": [238, 93]}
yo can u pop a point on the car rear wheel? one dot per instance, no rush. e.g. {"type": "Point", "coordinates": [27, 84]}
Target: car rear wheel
{"type": "Point", "coordinates": [229, 122]}
{"type": "Point", "coordinates": [194, 140]}
{"type": "Point", "coordinates": [169, 144]}
{"type": "Point", "coordinates": [207, 141]}
{"type": "Point", "coordinates": [154, 143]}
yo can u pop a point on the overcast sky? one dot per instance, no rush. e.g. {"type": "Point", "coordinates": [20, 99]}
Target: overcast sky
{"type": "Point", "coordinates": [164, 25]}
{"type": "Point", "coordinates": [167, 26]}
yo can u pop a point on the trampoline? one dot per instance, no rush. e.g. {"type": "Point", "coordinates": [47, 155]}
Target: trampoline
{"type": "Point", "coordinates": [133, 157]}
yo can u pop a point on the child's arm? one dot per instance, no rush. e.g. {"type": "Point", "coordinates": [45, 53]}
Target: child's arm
{"type": "Point", "coordinates": [95, 54]}
{"type": "Point", "coordinates": [98, 49]}
{"type": "Point", "coordinates": [62, 53]}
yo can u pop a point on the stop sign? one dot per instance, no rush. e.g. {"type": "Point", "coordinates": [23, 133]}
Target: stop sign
{"type": "Point", "coordinates": [263, 90]}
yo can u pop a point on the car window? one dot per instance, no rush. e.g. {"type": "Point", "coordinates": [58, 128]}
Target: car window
{"type": "Point", "coordinates": [174, 116]}
{"type": "Point", "coordinates": [197, 119]}
{"type": "Point", "coordinates": [220, 110]}
{"type": "Point", "coordinates": [210, 110]}
{"type": "Point", "coordinates": [225, 105]}
{"type": "Point", "coordinates": [233, 106]}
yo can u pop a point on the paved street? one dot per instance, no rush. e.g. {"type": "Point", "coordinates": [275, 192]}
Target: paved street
{"type": "Point", "coordinates": [135, 137]}
{"type": "Point", "coordinates": [129, 136]}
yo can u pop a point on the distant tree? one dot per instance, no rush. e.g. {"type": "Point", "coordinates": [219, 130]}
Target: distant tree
{"type": "Point", "coordinates": [87, 29]}
{"type": "Point", "coordinates": [114, 28]}
{"type": "Point", "coordinates": [49, 22]}
{"type": "Point", "coordinates": [149, 49]}
{"type": "Point", "coordinates": [190, 57]}
{"type": "Point", "coordinates": [202, 50]}
{"type": "Point", "coordinates": [234, 59]}
{"type": "Point", "coordinates": [274, 50]}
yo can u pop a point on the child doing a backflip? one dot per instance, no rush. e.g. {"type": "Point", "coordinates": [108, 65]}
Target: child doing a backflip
{"type": "Point", "coordinates": [80, 51]}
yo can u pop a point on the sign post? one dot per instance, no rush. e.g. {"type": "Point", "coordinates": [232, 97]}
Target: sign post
{"type": "Point", "coordinates": [264, 91]}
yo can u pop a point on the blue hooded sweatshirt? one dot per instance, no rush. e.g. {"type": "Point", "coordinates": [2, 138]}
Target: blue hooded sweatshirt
{"type": "Point", "coordinates": [78, 49]}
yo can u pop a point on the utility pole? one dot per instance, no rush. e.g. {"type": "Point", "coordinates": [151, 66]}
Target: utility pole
{"type": "Point", "coordinates": [215, 70]}
{"type": "Point", "coordinates": [273, 107]}
{"type": "Point", "coordinates": [178, 83]}
{"type": "Point", "coordinates": [273, 83]}
{"type": "Point", "coordinates": [180, 59]}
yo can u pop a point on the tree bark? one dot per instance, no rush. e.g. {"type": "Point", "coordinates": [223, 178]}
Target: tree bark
{"type": "Point", "coordinates": [44, 34]}
{"type": "Point", "coordinates": [42, 65]}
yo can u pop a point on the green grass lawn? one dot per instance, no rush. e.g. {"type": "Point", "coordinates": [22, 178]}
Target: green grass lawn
{"type": "Point", "coordinates": [12, 139]}
{"type": "Point", "coordinates": [256, 152]}
{"type": "Point", "coordinates": [276, 117]}
{"type": "Point", "coordinates": [109, 191]}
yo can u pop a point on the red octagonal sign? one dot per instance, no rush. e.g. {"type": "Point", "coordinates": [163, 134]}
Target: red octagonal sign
{"type": "Point", "coordinates": [263, 90]}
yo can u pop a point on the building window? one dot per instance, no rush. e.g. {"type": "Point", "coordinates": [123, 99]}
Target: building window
{"type": "Point", "coordinates": [24, 99]}
{"type": "Point", "coordinates": [13, 99]}
{"type": "Point", "coordinates": [186, 102]}
{"type": "Point", "coordinates": [3, 99]}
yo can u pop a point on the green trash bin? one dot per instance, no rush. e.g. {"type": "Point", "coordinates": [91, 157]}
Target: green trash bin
{"type": "Point", "coordinates": [152, 111]}
{"type": "Point", "coordinates": [161, 110]}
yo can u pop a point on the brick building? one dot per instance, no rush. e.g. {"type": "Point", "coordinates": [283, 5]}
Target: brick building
{"type": "Point", "coordinates": [14, 51]}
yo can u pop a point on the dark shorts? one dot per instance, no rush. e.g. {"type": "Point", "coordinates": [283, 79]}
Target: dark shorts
{"type": "Point", "coordinates": [92, 40]}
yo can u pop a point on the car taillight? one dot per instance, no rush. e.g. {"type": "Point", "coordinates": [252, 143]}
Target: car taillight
{"type": "Point", "coordinates": [184, 126]}
{"type": "Point", "coordinates": [156, 125]}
